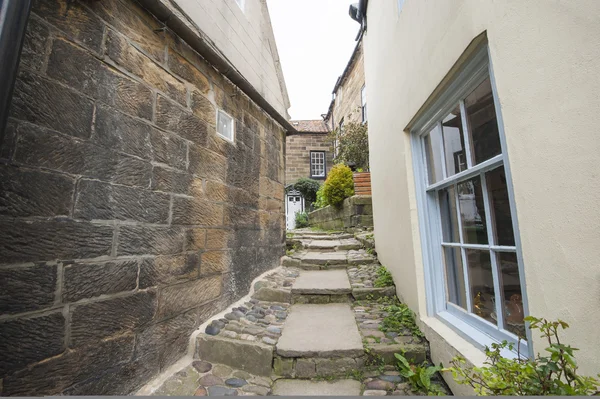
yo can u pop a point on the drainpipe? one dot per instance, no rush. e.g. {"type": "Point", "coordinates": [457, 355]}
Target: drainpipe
{"type": "Point", "coordinates": [14, 15]}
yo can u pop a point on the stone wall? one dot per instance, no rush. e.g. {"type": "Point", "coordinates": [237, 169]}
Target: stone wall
{"type": "Point", "coordinates": [298, 148]}
{"type": "Point", "coordinates": [355, 211]}
{"type": "Point", "coordinates": [125, 221]}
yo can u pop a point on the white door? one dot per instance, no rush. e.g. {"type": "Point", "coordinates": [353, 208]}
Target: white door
{"type": "Point", "coordinates": [294, 204]}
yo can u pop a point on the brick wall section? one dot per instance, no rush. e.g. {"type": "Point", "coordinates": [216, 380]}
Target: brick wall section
{"type": "Point", "coordinates": [125, 221]}
{"type": "Point", "coordinates": [298, 147]}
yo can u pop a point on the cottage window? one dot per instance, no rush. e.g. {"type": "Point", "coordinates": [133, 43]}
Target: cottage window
{"type": "Point", "coordinates": [317, 164]}
{"type": "Point", "coordinates": [363, 101]}
{"type": "Point", "coordinates": [470, 237]}
{"type": "Point", "coordinates": [225, 126]}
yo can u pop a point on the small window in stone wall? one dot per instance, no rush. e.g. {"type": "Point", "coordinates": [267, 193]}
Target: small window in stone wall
{"type": "Point", "coordinates": [225, 126]}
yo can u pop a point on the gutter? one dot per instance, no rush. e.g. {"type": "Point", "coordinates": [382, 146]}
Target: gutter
{"type": "Point", "coordinates": [14, 15]}
{"type": "Point", "coordinates": [175, 19]}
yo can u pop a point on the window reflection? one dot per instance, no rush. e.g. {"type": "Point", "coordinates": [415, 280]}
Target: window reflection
{"type": "Point", "coordinates": [500, 207]}
{"type": "Point", "coordinates": [450, 232]}
{"type": "Point", "coordinates": [483, 126]}
{"type": "Point", "coordinates": [455, 279]}
{"type": "Point", "coordinates": [511, 290]}
{"type": "Point", "coordinates": [433, 146]}
{"type": "Point", "coordinates": [472, 212]}
{"type": "Point", "coordinates": [481, 280]}
{"type": "Point", "coordinates": [454, 143]}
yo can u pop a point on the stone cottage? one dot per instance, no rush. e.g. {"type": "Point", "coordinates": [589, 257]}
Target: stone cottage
{"type": "Point", "coordinates": [141, 185]}
{"type": "Point", "coordinates": [308, 154]}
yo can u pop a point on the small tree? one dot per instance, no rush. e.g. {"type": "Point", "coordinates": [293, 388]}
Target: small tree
{"type": "Point", "coordinates": [339, 185]}
{"type": "Point", "coordinates": [308, 188]}
{"type": "Point", "coordinates": [352, 145]}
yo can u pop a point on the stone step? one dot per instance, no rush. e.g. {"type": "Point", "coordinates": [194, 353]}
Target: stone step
{"type": "Point", "coordinates": [325, 331]}
{"type": "Point", "coordinates": [287, 387]}
{"type": "Point", "coordinates": [325, 237]}
{"type": "Point", "coordinates": [253, 357]}
{"type": "Point", "coordinates": [344, 244]}
{"type": "Point", "coordinates": [326, 282]}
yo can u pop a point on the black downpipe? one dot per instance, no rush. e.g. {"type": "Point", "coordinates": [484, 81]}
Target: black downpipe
{"type": "Point", "coordinates": [14, 15]}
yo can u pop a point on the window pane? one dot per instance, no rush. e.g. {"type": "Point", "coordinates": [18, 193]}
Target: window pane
{"type": "Point", "coordinates": [500, 207]}
{"type": "Point", "coordinates": [483, 126]}
{"type": "Point", "coordinates": [225, 125]}
{"type": "Point", "coordinates": [448, 214]}
{"type": "Point", "coordinates": [482, 284]}
{"type": "Point", "coordinates": [511, 289]}
{"type": "Point", "coordinates": [472, 211]}
{"type": "Point", "coordinates": [455, 278]}
{"type": "Point", "coordinates": [454, 143]}
{"type": "Point", "coordinates": [433, 154]}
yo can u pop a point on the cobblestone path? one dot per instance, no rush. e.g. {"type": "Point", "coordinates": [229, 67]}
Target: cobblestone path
{"type": "Point", "coordinates": [314, 326]}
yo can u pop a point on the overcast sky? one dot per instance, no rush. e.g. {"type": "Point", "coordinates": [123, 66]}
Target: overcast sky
{"type": "Point", "coordinates": [315, 39]}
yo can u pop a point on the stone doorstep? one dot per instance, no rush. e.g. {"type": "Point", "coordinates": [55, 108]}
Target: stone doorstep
{"type": "Point", "coordinates": [326, 331]}
{"type": "Point", "coordinates": [325, 282]}
{"type": "Point", "coordinates": [252, 357]}
{"type": "Point", "coordinates": [286, 387]}
{"type": "Point", "coordinates": [325, 258]}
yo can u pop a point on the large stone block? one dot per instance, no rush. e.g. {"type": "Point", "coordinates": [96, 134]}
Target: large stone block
{"type": "Point", "coordinates": [74, 19]}
{"type": "Point", "coordinates": [168, 270]}
{"type": "Point", "coordinates": [169, 149]}
{"type": "Point", "coordinates": [95, 321]}
{"type": "Point", "coordinates": [179, 298]}
{"type": "Point", "coordinates": [252, 357]}
{"type": "Point", "coordinates": [203, 108]}
{"type": "Point", "coordinates": [87, 280]}
{"type": "Point", "coordinates": [40, 147]}
{"type": "Point", "coordinates": [51, 105]}
{"type": "Point", "coordinates": [182, 67]}
{"type": "Point", "coordinates": [192, 211]}
{"type": "Point", "coordinates": [215, 262]}
{"type": "Point", "coordinates": [150, 240]}
{"type": "Point", "coordinates": [27, 288]}
{"type": "Point", "coordinates": [174, 118]}
{"type": "Point", "coordinates": [196, 239]}
{"type": "Point", "coordinates": [241, 217]}
{"type": "Point", "coordinates": [26, 341]}
{"type": "Point", "coordinates": [206, 163]}
{"type": "Point", "coordinates": [138, 25]}
{"type": "Point", "coordinates": [49, 240]}
{"type": "Point", "coordinates": [125, 54]}
{"type": "Point", "coordinates": [93, 77]}
{"type": "Point", "coordinates": [60, 372]}
{"type": "Point", "coordinates": [34, 45]}
{"type": "Point", "coordinates": [33, 193]}
{"type": "Point", "coordinates": [123, 133]}
{"type": "Point", "coordinates": [218, 238]}
{"type": "Point", "coordinates": [172, 181]}
{"type": "Point", "coordinates": [104, 201]}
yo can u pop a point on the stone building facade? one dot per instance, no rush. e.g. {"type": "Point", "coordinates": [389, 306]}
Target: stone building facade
{"type": "Point", "coordinates": [125, 219]}
{"type": "Point", "coordinates": [349, 93]}
{"type": "Point", "coordinates": [311, 136]}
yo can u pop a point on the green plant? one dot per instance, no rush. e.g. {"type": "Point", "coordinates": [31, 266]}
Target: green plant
{"type": "Point", "coordinates": [400, 317]}
{"type": "Point", "coordinates": [419, 376]}
{"type": "Point", "coordinates": [370, 236]}
{"type": "Point", "coordinates": [301, 220]}
{"type": "Point", "coordinates": [321, 201]}
{"type": "Point", "coordinates": [352, 145]}
{"type": "Point", "coordinates": [339, 185]}
{"type": "Point", "coordinates": [543, 375]}
{"type": "Point", "coordinates": [308, 188]}
{"type": "Point", "coordinates": [384, 278]}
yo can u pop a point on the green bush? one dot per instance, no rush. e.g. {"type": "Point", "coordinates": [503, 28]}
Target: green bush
{"type": "Point", "coordinates": [419, 376]}
{"type": "Point", "coordinates": [308, 188]}
{"type": "Point", "coordinates": [301, 220]}
{"type": "Point", "coordinates": [339, 185]}
{"type": "Point", "coordinates": [384, 278]}
{"type": "Point", "coordinates": [321, 201]}
{"type": "Point", "coordinates": [400, 318]}
{"type": "Point", "coordinates": [552, 375]}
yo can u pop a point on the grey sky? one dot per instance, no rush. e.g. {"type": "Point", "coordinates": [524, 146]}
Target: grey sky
{"type": "Point", "coordinates": [315, 39]}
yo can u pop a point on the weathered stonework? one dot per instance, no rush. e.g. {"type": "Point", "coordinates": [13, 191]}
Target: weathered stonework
{"type": "Point", "coordinates": [125, 221]}
{"type": "Point", "coordinates": [355, 212]}
{"type": "Point", "coordinates": [298, 148]}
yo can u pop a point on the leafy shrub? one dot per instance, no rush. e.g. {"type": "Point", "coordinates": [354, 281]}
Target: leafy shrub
{"type": "Point", "coordinates": [419, 376]}
{"type": "Point", "coordinates": [384, 278]}
{"type": "Point", "coordinates": [352, 145]}
{"type": "Point", "coordinates": [399, 318]}
{"type": "Point", "coordinates": [552, 375]}
{"type": "Point", "coordinates": [339, 185]}
{"type": "Point", "coordinates": [321, 201]}
{"type": "Point", "coordinates": [308, 188]}
{"type": "Point", "coordinates": [301, 220]}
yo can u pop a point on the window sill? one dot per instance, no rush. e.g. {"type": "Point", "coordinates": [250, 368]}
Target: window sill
{"type": "Point", "coordinates": [475, 336]}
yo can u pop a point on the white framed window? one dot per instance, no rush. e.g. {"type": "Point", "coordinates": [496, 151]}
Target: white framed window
{"type": "Point", "coordinates": [241, 4]}
{"type": "Point", "coordinates": [470, 243]}
{"type": "Point", "coordinates": [363, 102]}
{"type": "Point", "coordinates": [225, 126]}
{"type": "Point", "coordinates": [317, 164]}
